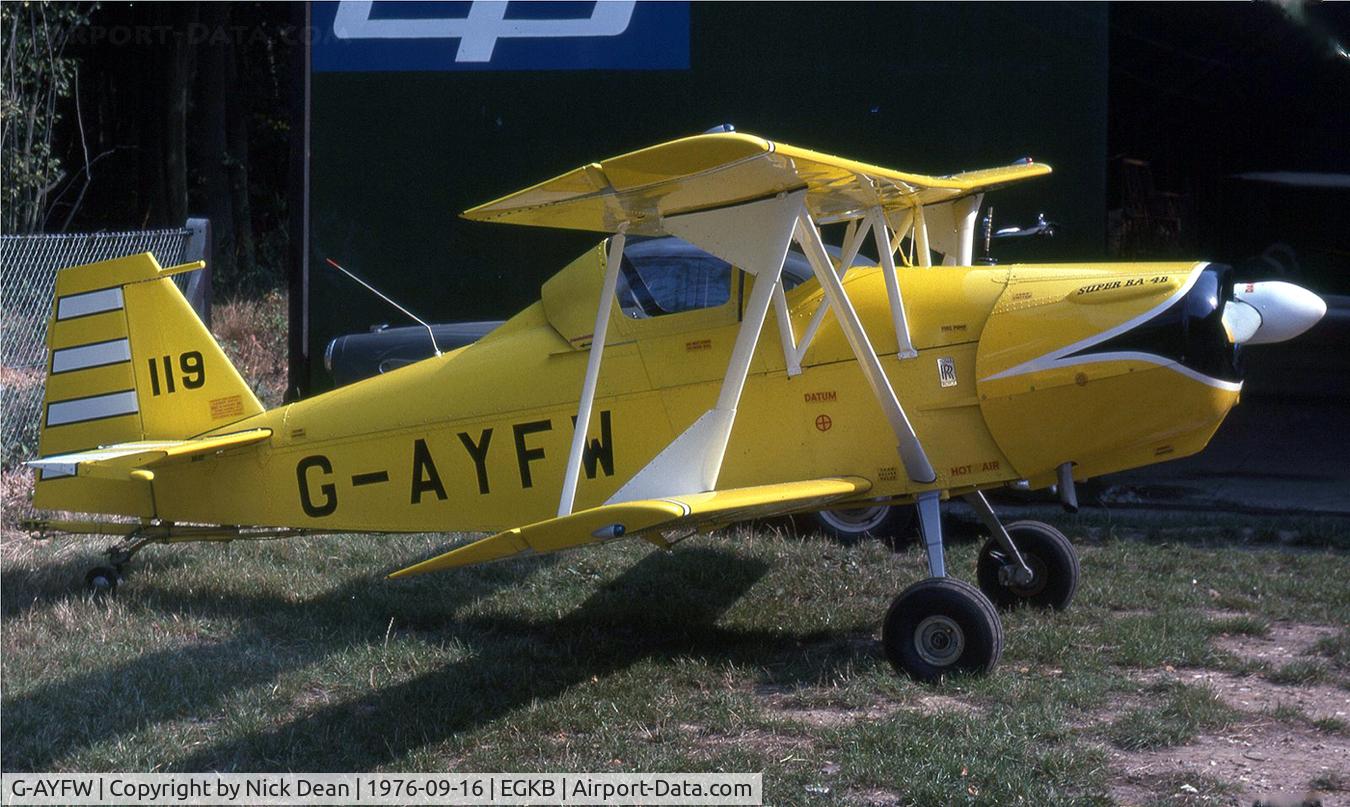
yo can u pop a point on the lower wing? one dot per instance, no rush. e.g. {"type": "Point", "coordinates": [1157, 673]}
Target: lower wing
{"type": "Point", "coordinates": [647, 518]}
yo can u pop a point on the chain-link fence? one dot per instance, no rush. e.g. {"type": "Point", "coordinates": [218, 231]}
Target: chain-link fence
{"type": "Point", "coordinates": [28, 266]}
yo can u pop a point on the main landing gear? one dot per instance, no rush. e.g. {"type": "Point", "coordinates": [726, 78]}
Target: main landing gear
{"type": "Point", "coordinates": [941, 626]}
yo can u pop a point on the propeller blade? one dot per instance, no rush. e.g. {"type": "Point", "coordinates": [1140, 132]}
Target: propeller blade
{"type": "Point", "coordinates": [1241, 321]}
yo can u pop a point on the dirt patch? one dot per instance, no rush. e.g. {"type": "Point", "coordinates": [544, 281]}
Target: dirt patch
{"type": "Point", "coordinates": [1248, 693]}
{"type": "Point", "coordinates": [1132, 612]}
{"type": "Point", "coordinates": [1262, 758]}
{"type": "Point", "coordinates": [789, 706]}
{"type": "Point", "coordinates": [940, 704]}
{"type": "Point", "coordinates": [1286, 642]}
{"type": "Point", "coordinates": [1262, 755]}
{"type": "Point", "coordinates": [782, 747]}
{"type": "Point", "coordinates": [872, 797]}
{"type": "Point", "coordinates": [833, 717]}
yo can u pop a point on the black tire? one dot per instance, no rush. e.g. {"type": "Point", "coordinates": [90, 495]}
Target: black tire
{"type": "Point", "coordinates": [942, 626]}
{"type": "Point", "coordinates": [889, 523]}
{"type": "Point", "coordinates": [1053, 562]}
{"type": "Point", "coordinates": [102, 580]}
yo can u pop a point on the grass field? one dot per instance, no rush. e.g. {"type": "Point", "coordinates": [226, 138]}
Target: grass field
{"type": "Point", "coordinates": [1207, 668]}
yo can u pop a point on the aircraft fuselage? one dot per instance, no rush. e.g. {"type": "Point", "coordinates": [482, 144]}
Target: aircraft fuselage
{"type": "Point", "coordinates": [478, 439]}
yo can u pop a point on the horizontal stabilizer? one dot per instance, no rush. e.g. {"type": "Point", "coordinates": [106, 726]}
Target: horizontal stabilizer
{"type": "Point", "coordinates": [120, 460]}
{"type": "Point", "coordinates": [711, 171]}
{"type": "Point", "coordinates": [647, 518]}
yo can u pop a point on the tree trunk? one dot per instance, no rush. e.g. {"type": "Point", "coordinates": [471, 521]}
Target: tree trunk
{"type": "Point", "coordinates": [175, 120]}
{"type": "Point", "coordinates": [237, 141]}
{"type": "Point", "coordinates": [166, 77]}
{"type": "Point", "coordinates": [211, 136]}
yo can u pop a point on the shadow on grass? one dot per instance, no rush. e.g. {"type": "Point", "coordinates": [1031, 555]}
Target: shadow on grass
{"type": "Point", "coordinates": [23, 588]}
{"type": "Point", "coordinates": [664, 607]}
{"type": "Point", "coordinates": [55, 720]}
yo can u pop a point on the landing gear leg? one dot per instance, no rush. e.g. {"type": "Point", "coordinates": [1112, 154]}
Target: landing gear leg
{"type": "Point", "coordinates": [929, 506]}
{"type": "Point", "coordinates": [1025, 563]}
{"type": "Point", "coordinates": [940, 625]}
{"type": "Point", "coordinates": [1015, 571]}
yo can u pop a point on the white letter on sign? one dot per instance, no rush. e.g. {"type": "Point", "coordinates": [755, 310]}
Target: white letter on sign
{"type": "Point", "coordinates": [479, 31]}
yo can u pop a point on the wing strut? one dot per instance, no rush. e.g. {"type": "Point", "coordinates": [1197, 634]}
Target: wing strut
{"type": "Point", "coordinates": [784, 317]}
{"type": "Point", "coordinates": [911, 451]}
{"type": "Point", "coordinates": [579, 430]}
{"type": "Point", "coordinates": [754, 236]}
{"type": "Point", "coordinates": [873, 221]}
{"type": "Point", "coordinates": [920, 236]}
{"type": "Point", "coordinates": [795, 352]}
{"type": "Point", "coordinates": [876, 220]}
{"type": "Point", "coordinates": [964, 212]}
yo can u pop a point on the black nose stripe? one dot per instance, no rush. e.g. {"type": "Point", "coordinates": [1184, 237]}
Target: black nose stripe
{"type": "Point", "coordinates": [1189, 332]}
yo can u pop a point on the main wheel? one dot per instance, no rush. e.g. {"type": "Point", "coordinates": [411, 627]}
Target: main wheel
{"type": "Point", "coordinates": [102, 580]}
{"type": "Point", "coordinates": [941, 626]}
{"type": "Point", "coordinates": [1053, 562]}
{"type": "Point", "coordinates": [886, 522]}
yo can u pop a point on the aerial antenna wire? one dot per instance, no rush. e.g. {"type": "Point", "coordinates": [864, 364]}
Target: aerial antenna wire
{"type": "Point", "coordinates": [384, 297]}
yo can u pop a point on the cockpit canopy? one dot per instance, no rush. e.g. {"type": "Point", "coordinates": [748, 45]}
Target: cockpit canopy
{"type": "Point", "coordinates": [668, 275]}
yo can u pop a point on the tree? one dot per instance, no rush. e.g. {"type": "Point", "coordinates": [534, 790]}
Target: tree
{"type": "Point", "coordinates": [38, 79]}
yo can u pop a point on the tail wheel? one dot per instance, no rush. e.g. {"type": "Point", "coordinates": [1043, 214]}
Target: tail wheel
{"type": "Point", "coordinates": [102, 580]}
{"type": "Point", "coordinates": [942, 626]}
{"type": "Point", "coordinates": [886, 522]}
{"type": "Point", "coordinates": [1053, 562]}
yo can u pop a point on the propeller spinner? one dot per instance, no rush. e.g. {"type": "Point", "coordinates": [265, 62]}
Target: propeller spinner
{"type": "Point", "coordinates": [1270, 311]}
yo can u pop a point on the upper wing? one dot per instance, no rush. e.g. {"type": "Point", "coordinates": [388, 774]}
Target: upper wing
{"type": "Point", "coordinates": [120, 460]}
{"type": "Point", "coordinates": [715, 170]}
{"type": "Point", "coordinates": [646, 518]}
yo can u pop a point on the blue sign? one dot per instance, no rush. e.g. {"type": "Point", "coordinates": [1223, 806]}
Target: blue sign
{"type": "Point", "coordinates": [376, 35]}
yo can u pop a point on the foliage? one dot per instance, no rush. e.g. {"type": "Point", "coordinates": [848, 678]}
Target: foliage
{"type": "Point", "coordinates": [39, 79]}
{"type": "Point", "coordinates": [252, 332]}
{"type": "Point", "coordinates": [20, 392]}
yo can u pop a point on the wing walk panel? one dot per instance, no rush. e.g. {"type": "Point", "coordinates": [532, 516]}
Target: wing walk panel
{"type": "Point", "coordinates": [646, 518]}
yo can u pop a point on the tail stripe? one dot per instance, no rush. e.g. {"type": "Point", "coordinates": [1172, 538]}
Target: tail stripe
{"type": "Point", "coordinates": [89, 302]}
{"type": "Point", "coordinates": [94, 407]}
{"type": "Point", "coordinates": [94, 354]}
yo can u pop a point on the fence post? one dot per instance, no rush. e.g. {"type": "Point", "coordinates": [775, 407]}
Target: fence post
{"type": "Point", "coordinates": [198, 248]}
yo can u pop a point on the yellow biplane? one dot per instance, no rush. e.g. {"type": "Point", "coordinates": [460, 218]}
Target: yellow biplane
{"type": "Point", "coordinates": [905, 378]}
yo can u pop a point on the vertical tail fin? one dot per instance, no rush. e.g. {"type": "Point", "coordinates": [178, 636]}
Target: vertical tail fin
{"type": "Point", "coordinates": [128, 359]}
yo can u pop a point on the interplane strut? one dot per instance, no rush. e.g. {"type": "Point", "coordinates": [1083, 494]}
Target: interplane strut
{"type": "Point", "coordinates": [613, 260]}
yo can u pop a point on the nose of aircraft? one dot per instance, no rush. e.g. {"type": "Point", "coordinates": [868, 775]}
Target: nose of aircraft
{"type": "Point", "coordinates": [1270, 311]}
